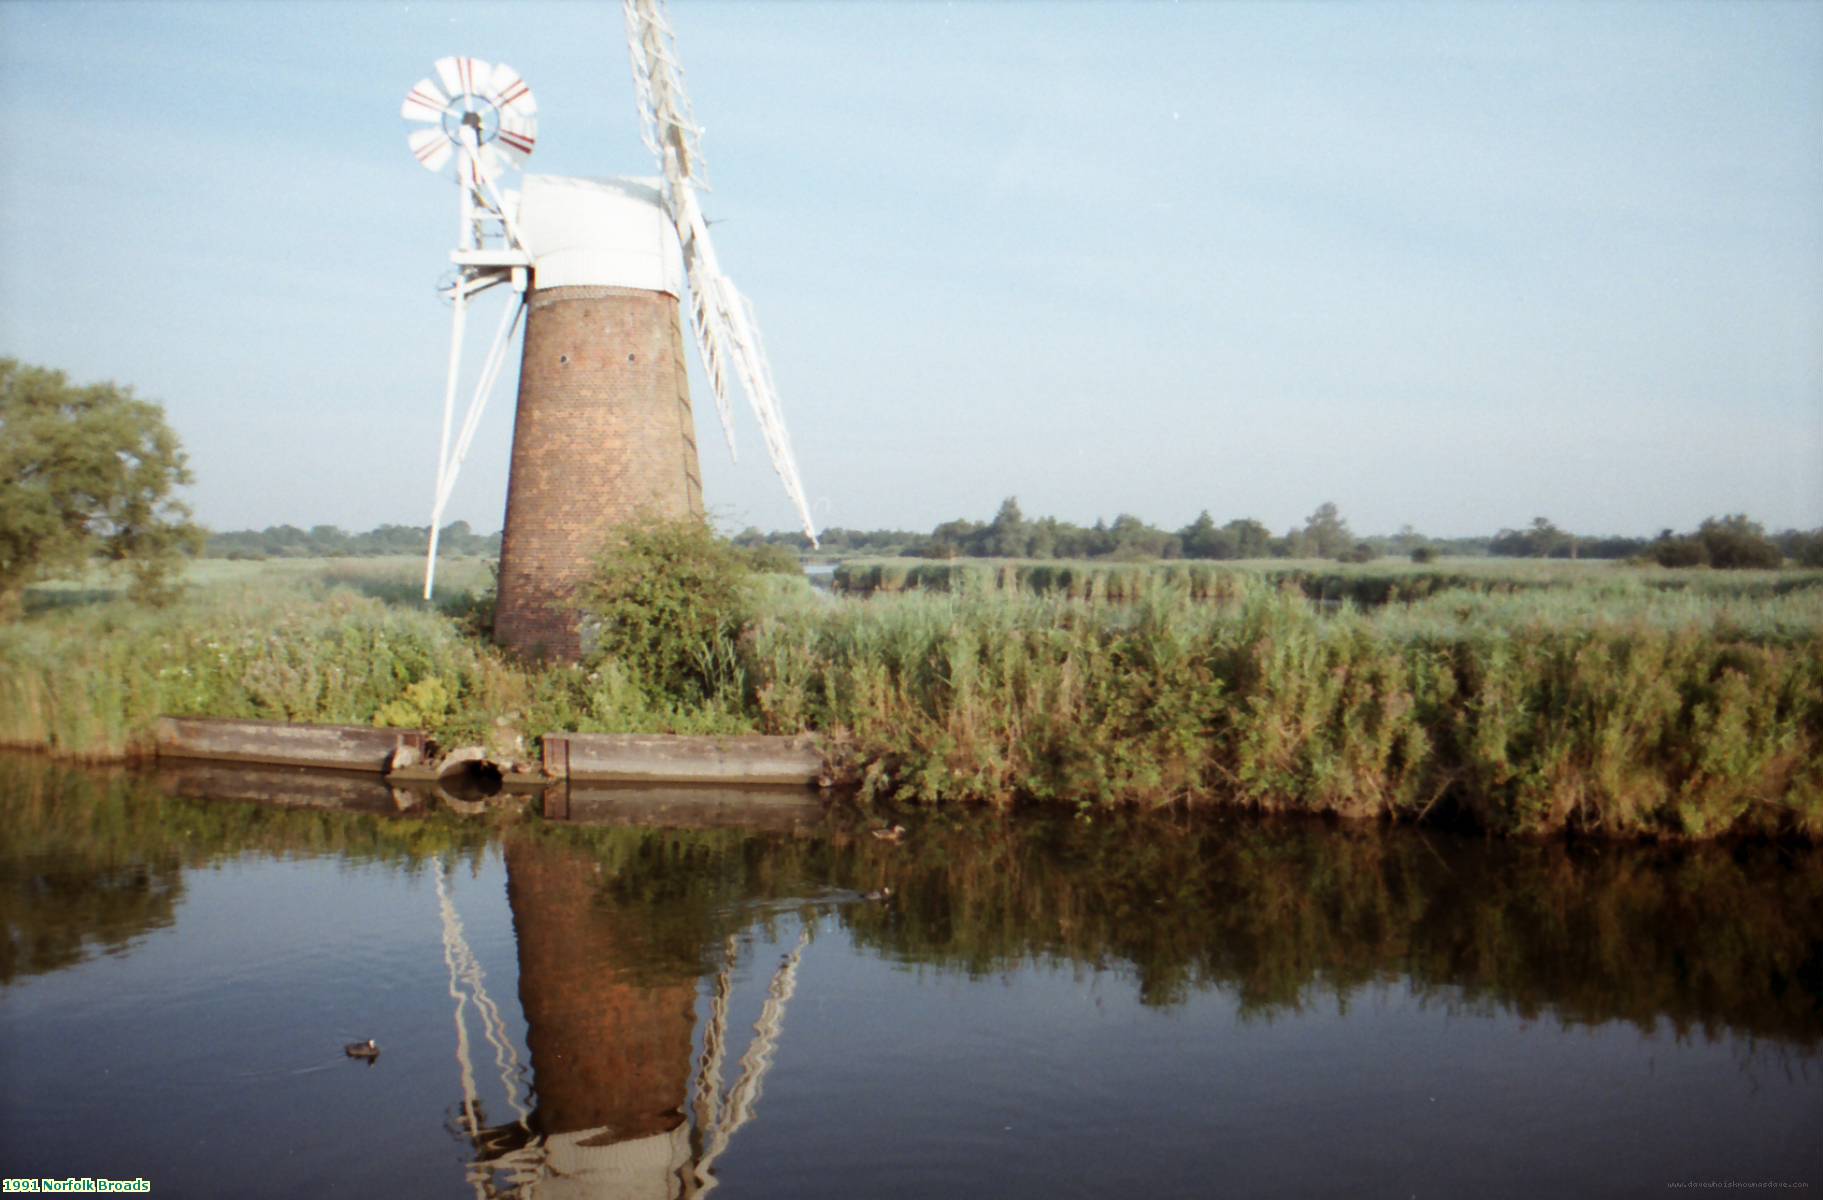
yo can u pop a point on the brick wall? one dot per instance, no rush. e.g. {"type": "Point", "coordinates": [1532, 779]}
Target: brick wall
{"type": "Point", "coordinates": [603, 433]}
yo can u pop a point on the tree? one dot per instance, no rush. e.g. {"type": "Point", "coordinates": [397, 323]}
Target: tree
{"type": "Point", "coordinates": [1008, 536]}
{"type": "Point", "coordinates": [1670, 550]}
{"type": "Point", "coordinates": [1738, 541]}
{"type": "Point", "coordinates": [331, 540]}
{"type": "Point", "coordinates": [1201, 539]}
{"type": "Point", "coordinates": [1804, 547]}
{"type": "Point", "coordinates": [1326, 534]}
{"type": "Point", "coordinates": [1134, 539]}
{"type": "Point", "coordinates": [1044, 538]}
{"type": "Point", "coordinates": [1240, 538]}
{"type": "Point", "coordinates": [1251, 539]}
{"type": "Point", "coordinates": [87, 473]}
{"type": "Point", "coordinates": [1729, 542]}
{"type": "Point", "coordinates": [954, 539]}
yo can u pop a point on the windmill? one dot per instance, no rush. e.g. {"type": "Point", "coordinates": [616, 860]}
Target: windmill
{"type": "Point", "coordinates": [595, 270]}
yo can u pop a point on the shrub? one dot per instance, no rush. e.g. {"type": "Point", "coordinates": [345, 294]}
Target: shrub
{"type": "Point", "coordinates": [1738, 542]}
{"type": "Point", "coordinates": [1670, 551]}
{"type": "Point", "coordinates": [1727, 542]}
{"type": "Point", "coordinates": [667, 598]}
{"type": "Point", "coordinates": [770, 559]}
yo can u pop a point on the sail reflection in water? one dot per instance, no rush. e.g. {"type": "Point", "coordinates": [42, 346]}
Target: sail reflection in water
{"type": "Point", "coordinates": [611, 1038]}
{"type": "Point", "coordinates": [1037, 1006]}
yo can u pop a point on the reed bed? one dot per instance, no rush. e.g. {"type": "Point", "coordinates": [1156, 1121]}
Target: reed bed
{"type": "Point", "coordinates": [342, 641]}
{"type": "Point", "coordinates": [1662, 714]}
{"type": "Point", "coordinates": [87, 681]}
{"type": "Point", "coordinates": [1614, 708]}
{"type": "Point", "coordinates": [1364, 585]}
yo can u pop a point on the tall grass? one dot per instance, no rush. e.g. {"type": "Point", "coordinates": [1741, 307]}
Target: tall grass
{"type": "Point", "coordinates": [1614, 708]}
{"type": "Point", "coordinates": [329, 641]}
{"type": "Point", "coordinates": [1658, 713]}
{"type": "Point", "coordinates": [1366, 585]}
{"type": "Point", "coordinates": [88, 680]}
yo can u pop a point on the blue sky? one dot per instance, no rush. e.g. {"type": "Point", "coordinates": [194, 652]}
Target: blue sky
{"type": "Point", "coordinates": [1452, 265]}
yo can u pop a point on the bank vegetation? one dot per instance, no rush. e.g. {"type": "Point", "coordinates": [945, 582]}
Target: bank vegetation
{"type": "Point", "coordinates": [1524, 699]}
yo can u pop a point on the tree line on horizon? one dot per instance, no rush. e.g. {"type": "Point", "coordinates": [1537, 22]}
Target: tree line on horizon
{"type": "Point", "coordinates": [331, 541]}
{"type": "Point", "coordinates": [1727, 541]}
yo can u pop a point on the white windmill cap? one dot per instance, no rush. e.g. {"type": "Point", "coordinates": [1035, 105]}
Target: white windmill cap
{"type": "Point", "coordinates": [599, 233]}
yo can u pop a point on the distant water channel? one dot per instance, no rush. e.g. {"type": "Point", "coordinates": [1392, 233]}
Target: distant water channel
{"type": "Point", "coordinates": [983, 1008]}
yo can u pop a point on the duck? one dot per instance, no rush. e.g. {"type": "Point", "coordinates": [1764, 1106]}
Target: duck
{"type": "Point", "coordinates": [368, 1050]}
{"type": "Point", "coordinates": [896, 833]}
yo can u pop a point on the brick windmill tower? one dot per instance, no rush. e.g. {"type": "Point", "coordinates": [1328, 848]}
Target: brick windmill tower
{"type": "Point", "coordinates": [595, 269]}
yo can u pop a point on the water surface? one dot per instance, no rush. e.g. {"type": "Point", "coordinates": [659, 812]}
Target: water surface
{"type": "Point", "coordinates": [987, 1007]}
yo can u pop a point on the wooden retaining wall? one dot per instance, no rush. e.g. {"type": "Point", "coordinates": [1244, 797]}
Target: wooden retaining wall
{"type": "Point", "coordinates": [569, 758]}
{"type": "Point", "coordinates": [280, 743]}
{"type": "Point", "coordinates": [675, 758]}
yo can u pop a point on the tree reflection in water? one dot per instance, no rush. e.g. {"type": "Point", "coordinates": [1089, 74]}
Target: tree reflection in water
{"type": "Point", "coordinates": [616, 926]}
{"type": "Point", "coordinates": [1710, 937]}
{"type": "Point", "coordinates": [618, 930]}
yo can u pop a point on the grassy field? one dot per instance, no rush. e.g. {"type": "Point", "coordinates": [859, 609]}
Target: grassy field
{"type": "Point", "coordinates": [1525, 698]}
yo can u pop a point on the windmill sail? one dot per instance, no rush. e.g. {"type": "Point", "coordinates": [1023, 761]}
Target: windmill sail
{"type": "Point", "coordinates": [726, 333]}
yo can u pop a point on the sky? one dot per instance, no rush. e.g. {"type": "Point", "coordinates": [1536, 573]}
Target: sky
{"type": "Point", "coordinates": [1452, 265]}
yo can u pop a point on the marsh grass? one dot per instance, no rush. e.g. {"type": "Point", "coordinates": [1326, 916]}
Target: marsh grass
{"type": "Point", "coordinates": [337, 641]}
{"type": "Point", "coordinates": [1596, 702]}
{"type": "Point", "coordinates": [1670, 714]}
{"type": "Point", "coordinates": [87, 681]}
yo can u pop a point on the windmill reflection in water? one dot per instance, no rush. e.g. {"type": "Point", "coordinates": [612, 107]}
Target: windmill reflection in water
{"type": "Point", "coordinates": [641, 1142]}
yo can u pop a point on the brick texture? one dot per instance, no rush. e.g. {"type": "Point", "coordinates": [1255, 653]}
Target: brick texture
{"type": "Point", "coordinates": [603, 433]}
{"type": "Point", "coordinates": [610, 1042]}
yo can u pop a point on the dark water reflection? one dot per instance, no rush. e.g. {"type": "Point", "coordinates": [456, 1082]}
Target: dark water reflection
{"type": "Point", "coordinates": [1024, 1007]}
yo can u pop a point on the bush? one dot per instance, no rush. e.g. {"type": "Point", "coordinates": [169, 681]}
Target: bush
{"type": "Point", "coordinates": [1727, 542]}
{"type": "Point", "coordinates": [1424, 554]}
{"type": "Point", "coordinates": [1738, 542]}
{"type": "Point", "coordinates": [771, 559]}
{"type": "Point", "coordinates": [667, 599]}
{"type": "Point", "coordinates": [1670, 551]}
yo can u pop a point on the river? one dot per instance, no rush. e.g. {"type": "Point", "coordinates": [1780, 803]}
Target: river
{"type": "Point", "coordinates": [982, 1007]}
